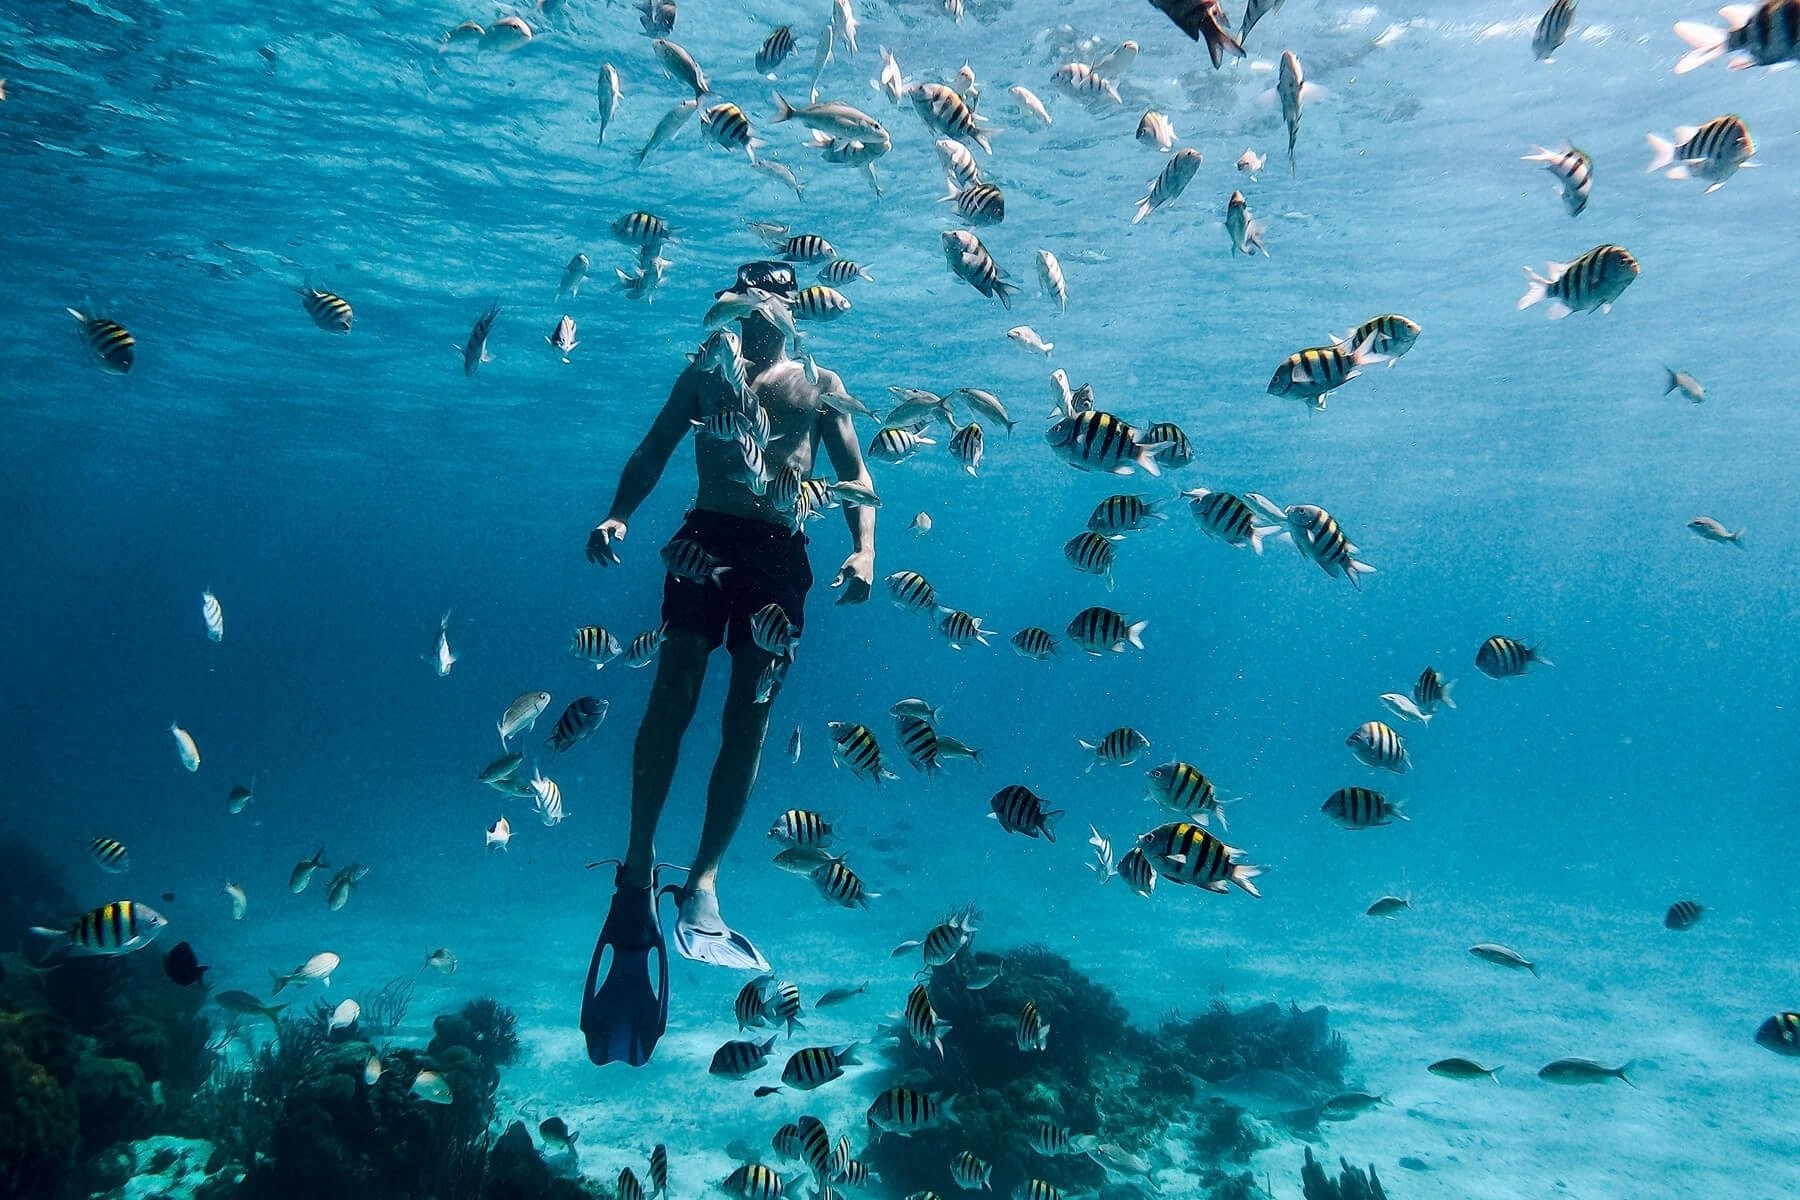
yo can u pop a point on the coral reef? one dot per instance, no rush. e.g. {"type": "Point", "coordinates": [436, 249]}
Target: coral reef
{"type": "Point", "coordinates": [516, 1171]}
{"type": "Point", "coordinates": [39, 1127]}
{"type": "Point", "coordinates": [485, 1027]}
{"type": "Point", "coordinates": [1351, 1184]}
{"type": "Point", "coordinates": [1096, 1075]}
{"type": "Point", "coordinates": [161, 1167]}
{"type": "Point", "coordinates": [384, 1008]}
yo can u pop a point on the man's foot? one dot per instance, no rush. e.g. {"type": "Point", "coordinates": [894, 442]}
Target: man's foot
{"type": "Point", "coordinates": [702, 935]}
{"type": "Point", "coordinates": [625, 1005]}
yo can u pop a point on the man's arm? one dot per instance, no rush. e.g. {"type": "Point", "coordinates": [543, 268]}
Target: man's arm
{"type": "Point", "coordinates": [645, 467]}
{"type": "Point", "coordinates": [857, 575]}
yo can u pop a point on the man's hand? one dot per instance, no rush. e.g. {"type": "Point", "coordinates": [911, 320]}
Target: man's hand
{"type": "Point", "coordinates": [856, 577]}
{"type": "Point", "coordinates": [600, 541]}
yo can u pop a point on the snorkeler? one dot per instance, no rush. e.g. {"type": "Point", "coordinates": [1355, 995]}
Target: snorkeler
{"type": "Point", "coordinates": [750, 554]}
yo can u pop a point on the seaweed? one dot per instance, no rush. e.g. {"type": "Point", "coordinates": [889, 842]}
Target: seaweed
{"type": "Point", "coordinates": [385, 1008]}
{"type": "Point", "coordinates": [484, 1026]}
{"type": "Point", "coordinates": [1351, 1184]}
{"type": "Point", "coordinates": [1220, 1043]}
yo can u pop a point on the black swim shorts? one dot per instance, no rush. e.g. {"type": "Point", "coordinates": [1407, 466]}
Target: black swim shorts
{"type": "Point", "coordinates": [767, 565]}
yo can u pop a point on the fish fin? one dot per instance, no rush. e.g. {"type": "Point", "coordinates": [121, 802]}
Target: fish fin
{"type": "Point", "coordinates": [1558, 310]}
{"type": "Point", "coordinates": [1681, 171]}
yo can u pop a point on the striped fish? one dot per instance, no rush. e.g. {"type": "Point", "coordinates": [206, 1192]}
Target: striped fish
{"type": "Point", "coordinates": [959, 164]}
{"type": "Point", "coordinates": [1020, 810]}
{"type": "Point", "coordinates": [642, 650]}
{"type": "Point", "coordinates": [1573, 169]}
{"type": "Point", "coordinates": [111, 344]}
{"type": "Point", "coordinates": [1762, 35]}
{"type": "Point", "coordinates": [801, 827]}
{"type": "Point", "coordinates": [1292, 90]}
{"type": "Point", "coordinates": [774, 50]}
{"type": "Point", "coordinates": [213, 614]}
{"type": "Point", "coordinates": [1713, 151]}
{"type": "Point", "coordinates": [1119, 747]}
{"type": "Point", "coordinates": [1034, 643]}
{"type": "Point", "coordinates": [960, 628]}
{"type": "Point", "coordinates": [842, 270]}
{"type": "Point", "coordinates": [737, 1060]}
{"type": "Point", "coordinates": [1375, 744]}
{"type": "Point", "coordinates": [1169, 183]}
{"type": "Point", "coordinates": [1053, 1140]}
{"type": "Point", "coordinates": [1226, 517]}
{"type": "Point", "coordinates": [642, 229]}
{"type": "Point", "coordinates": [1503, 658]}
{"type": "Point", "coordinates": [1683, 914]}
{"type": "Point", "coordinates": [1136, 869]}
{"type": "Point", "coordinates": [328, 310]}
{"type": "Point", "coordinates": [1780, 1033]}
{"type": "Point", "coordinates": [1315, 372]}
{"type": "Point", "coordinates": [967, 446]}
{"type": "Point", "coordinates": [689, 560]}
{"type": "Point", "coordinates": [820, 302]}
{"type": "Point", "coordinates": [892, 445]}
{"type": "Point", "coordinates": [629, 1186]}
{"type": "Point", "coordinates": [812, 1146]}
{"type": "Point", "coordinates": [945, 940]}
{"type": "Point", "coordinates": [855, 747]}
{"type": "Point", "coordinates": [578, 721]}
{"type": "Point", "coordinates": [979, 204]}
{"type": "Point", "coordinates": [1037, 1189]}
{"type": "Point", "coordinates": [912, 592]}
{"type": "Point", "coordinates": [1552, 29]}
{"type": "Point", "coordinates": [111, 929]}
{"type": "Point", "coordinates": [1173, 449]}
{"type": "Point", "coordinates": [1033, 1031]}
{"type": "Point", "coordinates": [1388, 336]}
{"type": "Point", "coordinates": [816, 1066]}
{"type": "Point", "coordinates": [904, 1111]}
{"type": "Point", "coordinates": [969, 260]}
{"type": "Point", "coordinates": [754, 1181]}
{"type": "Point", "coordinates": [1184, 790]}
{"type": "Point", "coordinates": [1432, 691]}
{"type": "Point", "coordinates": [1098, 441]}
{"type": "Point", "coordinates": [593, 643]}
{"type": "Point", "coordinates": [1092, 554]}
{"type": "Point", "coordinates": [1361, 808]}
{"type": "Point", "coordinates": [1099, 630]}
{"type": "Point", "coordinates": [842, 886]}
{"type": "Point", "coordinates": [1185, 853]}
{"type": "Point", "coordinates": [1590, 282]}
{"type": "Point", "coordinates": [549, 801]}
{"type": "Point", "coordinates": [922, 1020]}
{"type": "Point", "coordinates": [110, 855]}
{"type": "Point", "coordinates": [748, 1005]}
{"type": "Point", "coordinates": [945, 112]}
{"type": "Point", "coordinates": [1082, 83]}
{"type": "Point", "coordinates": [803, 248]}
{"type": "Point", "coordinates": [786, 1141]}
{"type": "Point", "coordinates": [725, 125]}
{"type": "Point", "coordinates": [771, 630]}
{"type": "Point", "coordinates": [852, 1173]}
{"type": "Point", "coordinates": [1125, 514]}
{"type": "Point", "coordinates": [1316, 534]}
{"type": "Point", "coordinates": [972, 1174]}
{"type": "Point", "coordinates": [919, 742]}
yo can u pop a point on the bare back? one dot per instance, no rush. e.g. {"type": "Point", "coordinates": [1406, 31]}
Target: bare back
{"type": "Point", "coordinates": [794, 408]}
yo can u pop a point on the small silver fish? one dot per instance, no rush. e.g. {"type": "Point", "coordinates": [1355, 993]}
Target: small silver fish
{"type": "Point", "coordinates": [610, 94]}
{"type": "Point", "coordinates": [475, 351]}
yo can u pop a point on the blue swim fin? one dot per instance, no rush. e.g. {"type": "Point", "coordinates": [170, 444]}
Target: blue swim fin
{"type": "Point", "coordinates": [625, 1004]}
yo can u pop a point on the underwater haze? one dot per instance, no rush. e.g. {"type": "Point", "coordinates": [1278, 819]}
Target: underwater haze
{"type": "Point", "coordinates": [183, 169]}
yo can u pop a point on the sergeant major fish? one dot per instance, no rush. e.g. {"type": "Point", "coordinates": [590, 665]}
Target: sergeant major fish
{"type": "Point", "coordinates": [1713, 151]}
{"type": "Point", "coordinates": [1169, 183]}
{"type": "Point", "coordinates": [1762, 35]}
{"type": "Point", "coordinates": [1593, 281]}
{"type": "Point", "coordinates": [475, 351]}
{"type": "Point", "coordinates": [1573, 169]}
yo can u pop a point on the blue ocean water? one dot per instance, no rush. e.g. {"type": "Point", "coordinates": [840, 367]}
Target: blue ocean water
{"type": "Point", "coordinates": [182, 169]}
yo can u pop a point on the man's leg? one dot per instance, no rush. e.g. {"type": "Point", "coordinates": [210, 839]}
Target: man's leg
{"type": "Point", "coordinates": [680, 670]}
{"type": "Point", "coordinates": [741, 731]}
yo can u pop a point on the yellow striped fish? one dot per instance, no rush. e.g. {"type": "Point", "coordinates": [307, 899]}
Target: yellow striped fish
{"type": "Point", "coordinates": [328, 310]}
{"type": "Point", "coordinates": [110, 855]}
{"type": "Point", "coordinates": [1185, 853]}
{"type": "Point", "coordinates": [111, 929]}
{"type": "Point", "coordinates": [1503, 658]}
{"type": "Point", "coordinates": [904, 1111]}
{"type": "Point", "coordinates": [1375, 744]}
{"type": "Point", "coordinates": [1590, 282]}
{"type": "Point", "coordinates": [111, 344]}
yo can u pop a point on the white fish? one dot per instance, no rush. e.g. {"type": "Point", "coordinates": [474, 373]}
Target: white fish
{"type": "Point", "coordinates": [643, 284]}
{"type": "Point", "coordinates": [372, 1070]}
{"type": "Point", "coordinates": [1293, 91]}
{"type": "Point", "coordinates": [549, 803]}
{"type": "Point", "coordinates": [213, 615]}
{"type": "Point", "coordinates": [1028, 337]}
{"type": "Point", "coordinates": [1115, 62]}
{"type": "Point", "coordinates": [432, 1088]}
{"type": "Point", "coordinates": [521, 714]}
{"type": "Point", "coordinates": [1686, 384]}
{"type": "Point", "coordinates": [1051, 281]}
{"type": "Point", "coordinates": [562, 338]}
{"type": "Point", "coordinates": [890, 83]}
{"type": "Point", "coordinates": [1713, 531]}
{"type": "Point", "coordinates": [843, 23]}
{"type": "Point", "coordinates": [681, 66]}
{"type": "Point", "coordinates": [445, 659]}
{"type": "Point", "coordinates": [1403, 707]}
{"type": "Point", "coordinates": [1064, 398]}
{"type": "Point", "coordinates": [668, 127]}
{"type": "Point", "coordinates": [921, 524]}
{"type": "Point", "coordinates": [610, 95]}
{"type": "Point", "coordinates": [1030, 103]}
{"type": "Point", "coordinates": [779, 170]}
{"type": "Point", "coordinates": [1155, 129]}
{"type": "Point", "coordinates": [239, 901]}
{"type": "Point", "coordinates": [572, 276]}
{"type": "Point", "coordinates": [499, 834]}
{"type": "Point", "coordinates": [185, 747]}
{"type": "Point", "coordinates": [794, 745]}
{"type": "Point", "coordinates": [1251, 162]}
{"type": "Point", "coordinates": [343, 1016]}
{"type": "Point", "coordinates": [1103, 864]}
{"type": "Point", "coordinates": [821, 58]}
{"type": "Point", "coordinates": [319, 967]}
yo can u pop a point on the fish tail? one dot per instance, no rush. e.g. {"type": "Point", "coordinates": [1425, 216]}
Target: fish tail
{"type": "Point", "coordinates": [1662, 152]}
{"type": "Point", "coordinates": [1537, 288]}
{"type": "Point", "coordinates": [1707, 42]}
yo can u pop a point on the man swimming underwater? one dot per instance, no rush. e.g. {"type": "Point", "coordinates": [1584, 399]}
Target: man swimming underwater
{"type": "Point", "coordinates": [626, 1004]}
